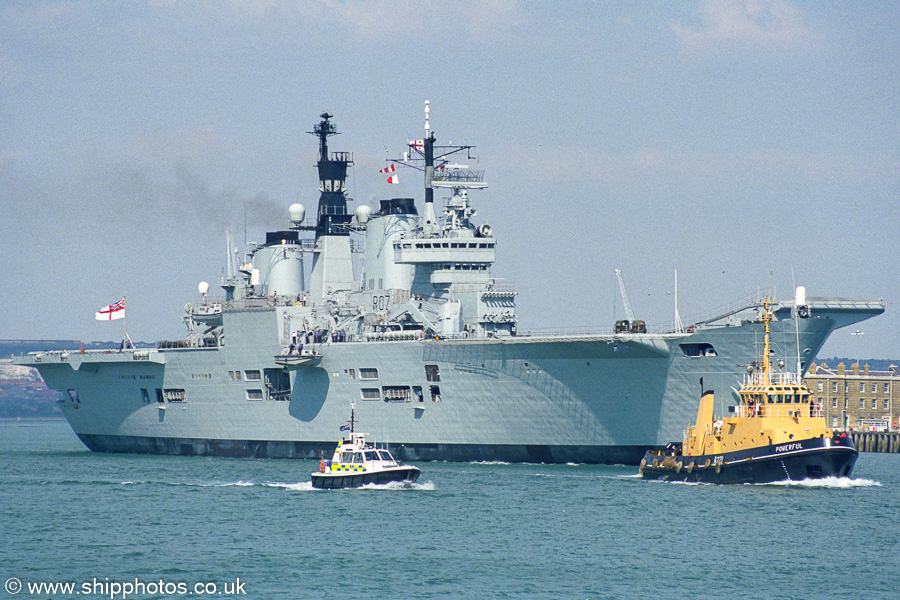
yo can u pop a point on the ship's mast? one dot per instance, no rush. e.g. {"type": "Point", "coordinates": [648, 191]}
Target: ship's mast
{"type": "Point", "coordinates": [430, 227]}
{"type": "Point", "coordinates": [332, 215]}
{"type": "Point", "coordinates": [332, 268]}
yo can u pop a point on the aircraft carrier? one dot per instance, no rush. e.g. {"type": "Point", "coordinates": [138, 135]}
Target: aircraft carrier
{"type": "Point", "coordinates": [423, 340]}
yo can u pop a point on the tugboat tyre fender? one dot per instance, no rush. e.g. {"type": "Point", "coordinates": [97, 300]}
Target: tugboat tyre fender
{"type": "Point", "coordinates": [690, 467]}
{"type": "Point", "coordinates": [678, 466]}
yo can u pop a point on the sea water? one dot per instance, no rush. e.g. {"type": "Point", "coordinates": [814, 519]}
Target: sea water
{"type": "Point", "coordinates": [136, 526]}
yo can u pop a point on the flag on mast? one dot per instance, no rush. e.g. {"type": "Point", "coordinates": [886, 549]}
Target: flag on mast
{"type": "Point", "coordinates": [112, 312]}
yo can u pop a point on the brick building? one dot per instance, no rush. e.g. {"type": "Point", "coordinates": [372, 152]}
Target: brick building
{"type": "Point", "coordinates": [856, 399]}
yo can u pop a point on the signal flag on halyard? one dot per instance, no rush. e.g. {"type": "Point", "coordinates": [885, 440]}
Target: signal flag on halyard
{"type": "Point", "coordinates": [389, 169]}
{"type": "Point", "coordinates": [420, 144]}
{"type": "Point", "coordinates": [393, 179]}
{"type": "Point", "coordinates": [112, 312]}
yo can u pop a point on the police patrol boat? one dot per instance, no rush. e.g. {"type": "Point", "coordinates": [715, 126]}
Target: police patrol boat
{"type": "Point", "coordinates": [356, 463]}
{"type": "Point", "coordinates": [397, 305]}
{"type": "Point", "coordinates": [776, 434]}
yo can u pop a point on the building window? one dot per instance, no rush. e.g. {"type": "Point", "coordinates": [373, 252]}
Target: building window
{"type": "Point", "coordinates": [874, 387]}
{"type": "Point", "coordinates": [886, 404]}
{"type": "Point", "coordinates": [368, 373]}
{"type": "Point", "coordinates": [862, 387]}
{"type": "Point", "coordinates": [845, 404]}
{"type": "Point", "coordinates": [887, 388]}
{"type": "Point", "coordinates": [834, 421]}
{"type": "Point", "coordinates": [874, 403]}
{"type": "Point", "coordinates": [834, 386]}
{"type": "Point", "coordinates": [834, 403]}
{"type": "Point", "coordinates": [862, 402]}
{"type": "Point", "coordinates": [820, 386]}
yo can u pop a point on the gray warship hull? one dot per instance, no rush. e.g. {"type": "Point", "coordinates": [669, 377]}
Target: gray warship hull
{"type": "Point", "coordinates": [585, 399]}
{"type": "Point", "coordinates": [421, 337]}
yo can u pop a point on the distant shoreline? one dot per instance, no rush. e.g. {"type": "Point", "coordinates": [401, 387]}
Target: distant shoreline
{"type": "Point", "coordinates": [4, 420]}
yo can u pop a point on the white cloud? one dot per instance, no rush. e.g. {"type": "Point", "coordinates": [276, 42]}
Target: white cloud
{"type": "Point", "coordinates": [726, 27]}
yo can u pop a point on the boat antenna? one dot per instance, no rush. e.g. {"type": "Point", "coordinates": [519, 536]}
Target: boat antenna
{"type": "Point", "coordinates": [352, 420]}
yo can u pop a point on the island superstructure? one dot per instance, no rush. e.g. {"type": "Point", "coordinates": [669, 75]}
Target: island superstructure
{"type": "Point", "coordinates": [424, 339]}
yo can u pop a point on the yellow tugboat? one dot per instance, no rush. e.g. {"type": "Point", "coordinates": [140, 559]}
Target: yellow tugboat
{"type": "Point", "coordinates": [775, 435]}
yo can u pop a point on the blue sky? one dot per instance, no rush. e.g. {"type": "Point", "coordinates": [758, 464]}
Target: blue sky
{"type": "Point", "coordinates": [735, 141]}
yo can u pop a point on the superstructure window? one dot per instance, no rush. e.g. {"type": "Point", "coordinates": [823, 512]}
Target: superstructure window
{"type": "Point", "coordinates": [73, 396]}
{"type": "Point", "coordinates": [254, 395]}
{"type": "Point", "coordinates": [370, 394]}
{"type": "Point", "coordinates": [252, 375]}
{"type": "Point", "coordinates": [435, 393]}
{"type": "Point", "coordinates": [432, 373]}
{"type": "Point", "coordinates": [145, 395]}
{"type": "Point", "coordinates": [174, 395]}
{"type": "Point", "coordinates": [396, 393]}
{"type": "Point", "coordinates": [369, 373]}
{"type": "Point", "coordinates": [698, 350]}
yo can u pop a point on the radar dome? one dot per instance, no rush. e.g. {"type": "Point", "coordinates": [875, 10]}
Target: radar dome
{"type": "Point", "coordinates": [203, 288]}
{"type": "Point", "coordinates": [297, 212]}
{"type": "Point", "coordinates": [363, 213]}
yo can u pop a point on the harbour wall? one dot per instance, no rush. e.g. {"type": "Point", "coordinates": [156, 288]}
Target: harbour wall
{"type": "Point", "coordinates": [876, 441]}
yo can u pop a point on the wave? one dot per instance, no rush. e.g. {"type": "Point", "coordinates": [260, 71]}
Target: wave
{"type": "Point", "coordinates": [839, 483]}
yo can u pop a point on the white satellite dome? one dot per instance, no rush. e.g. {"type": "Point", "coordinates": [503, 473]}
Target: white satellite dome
{"type": "Point", "coordinates": [203, 288]}
{"type": "Point", "coordinates": [297, 212]}
{"type": "Point", "coordinates": [363, 212]}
